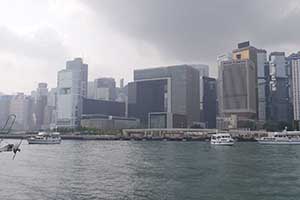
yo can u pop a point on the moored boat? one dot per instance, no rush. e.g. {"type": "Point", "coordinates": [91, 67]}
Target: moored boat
{"type": "Point", "coordinates": [223, 139]}
{"type": "Point", "coordinates": [285, 137]}
{"type": "Point", "coordinates": [45, 138]}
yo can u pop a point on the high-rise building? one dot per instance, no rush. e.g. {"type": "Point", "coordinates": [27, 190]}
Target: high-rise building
{"type": "Point", "coordinates": [245, 52]}
{"type": "Point", "coordinates": [121, 82]}
{"type": "Point", "coordinates": [238, 88]}
{"type": "Point", "coordinates": [262, 84]}
{"type": "Point", "coordinates": [102, 89]}
{"type": "Point", "coordinates": [238, 85]}
{"type": "Point", "coordinates": [91, 90]}
{"type": "Point", "coordinates": [279, 99]}
{"type": "Point", "coordinates": [22, 106]}
{"type": "Point", "coordinates": [294, 63]}
{"type": "Point", "coordinates": [50, 110]}
{"type": "Point", "coordinates": [165, 97]}
{"type": "Point", "coordinates": [220, 59]}
{"type": "Point", "coordinates": [278, 64]}
{"type": "Point", "coordinates": [72, 88]}
{"type": "Point", "coordinates": [208, 96]}
{"type": "Point", "coordinates": [209, 111]}
{"type": "Point", "coordinates": [105, 89]}
{"type": "Point", "coordinates": [40, 103]}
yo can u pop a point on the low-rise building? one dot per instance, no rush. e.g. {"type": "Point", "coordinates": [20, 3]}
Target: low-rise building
{"type": "Point", "coordinates": [105, 122]}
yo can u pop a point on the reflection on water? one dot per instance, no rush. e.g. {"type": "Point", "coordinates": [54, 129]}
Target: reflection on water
{"type": "Point", "coordinates": [150, 170]}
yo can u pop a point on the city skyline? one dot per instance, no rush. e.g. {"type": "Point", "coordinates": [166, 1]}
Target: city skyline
{"type": "Point", "coordinates": [40, 42]}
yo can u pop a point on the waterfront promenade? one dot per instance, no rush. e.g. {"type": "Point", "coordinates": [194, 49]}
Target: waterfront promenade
{"type": "Point", "coordinates": [150, 134]}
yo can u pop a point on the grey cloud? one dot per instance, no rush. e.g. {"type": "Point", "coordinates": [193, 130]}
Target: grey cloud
{"type": "Point", "coordinates": [40, 54]}
{"type": "Point", "coordinates": [197, 30]}
{"type": "Point", "coordinates": [45, 44]}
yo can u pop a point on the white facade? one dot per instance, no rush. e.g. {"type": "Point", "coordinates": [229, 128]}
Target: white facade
{"type": "Point", "coordinates": [71, 88]}
{"type": "Point", "coordinates": [296, 87]}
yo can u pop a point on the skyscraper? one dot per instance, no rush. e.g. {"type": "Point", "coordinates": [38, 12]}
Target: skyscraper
{"type": "Point", "coordinates": [220, 59]}
{"type": "Point", "coordinates": [102, 89]}
{"type": "Point", "coordinates": [105, 89]}
{"type": "Point", "coordinates": [279, 88]}
{"type": "Point", "coordinates": [209, 111]}
{"type": "Point", "coordinates": [238, 85]}
{"type": "Point", "coordinates": [72, 87]}
{"type": "Point", "coordinates": [22, 106]}
{"type": "Point", "coordinates": [294, 63]}
{"type": "Point", "coordinates": [278, 64]}
{"type": "Point", "coordinates": [239, 94]}
{"type": "Point", "coordinates": [50, 110]}
{"type": "Point", "coordinates": [262, 84]}
{"type": "Point", "coordinates": [40, 103]}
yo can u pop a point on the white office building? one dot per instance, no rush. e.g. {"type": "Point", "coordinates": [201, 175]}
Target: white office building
{"type": "Point", "coordinates": [71, 88]}
{"type": "Point", "coordinates": [295, 63]}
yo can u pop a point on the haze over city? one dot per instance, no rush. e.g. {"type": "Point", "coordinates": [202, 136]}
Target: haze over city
{"type": "Point", "coordinates": [115, 37]}
{"type": "Point", "coordinates": [149, 99]}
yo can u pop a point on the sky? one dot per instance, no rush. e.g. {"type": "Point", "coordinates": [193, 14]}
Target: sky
{"type": "Point", "coordinates": [115, 37]}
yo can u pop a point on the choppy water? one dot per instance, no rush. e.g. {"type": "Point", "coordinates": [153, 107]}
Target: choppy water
{"type": "Point", "coordinates": [150, 170]}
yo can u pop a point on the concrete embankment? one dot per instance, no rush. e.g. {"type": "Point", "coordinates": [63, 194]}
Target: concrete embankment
{"type": "Point", "coordinates": [105, 137]}
{"type": "Point", "coordinates": [150, 134]}
{"type": "Point", "coordinates": [109, 137]}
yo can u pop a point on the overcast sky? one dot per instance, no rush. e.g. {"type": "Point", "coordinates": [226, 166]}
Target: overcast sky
{"type": "Point", "coordinates": [116, 36]}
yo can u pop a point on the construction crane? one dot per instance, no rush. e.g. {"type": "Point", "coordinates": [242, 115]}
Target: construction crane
{"type": "Point", "coordinates": [6, 129]}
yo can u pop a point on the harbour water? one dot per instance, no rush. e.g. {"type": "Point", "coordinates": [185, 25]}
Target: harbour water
{"type": "Point", "coordinates": [150, 170]}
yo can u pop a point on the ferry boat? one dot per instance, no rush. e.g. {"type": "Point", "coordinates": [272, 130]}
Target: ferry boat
{"type": "Point", "coordinates": [45, 138]}
{"type": "Point", "coordinates": [284, 137]}
{"type": "Point", "coordinates": [223, 139]}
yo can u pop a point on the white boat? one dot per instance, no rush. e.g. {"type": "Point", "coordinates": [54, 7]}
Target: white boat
{"type": "Point", "coordinates": [284, 137]}
{"type": "Point", "coordinates": [223, 139]}
{"type": "Point", "coordinates": [45, 138]}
